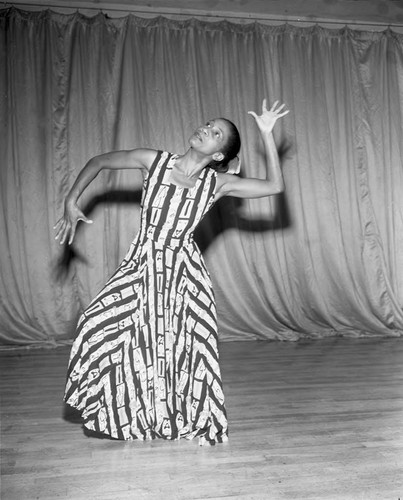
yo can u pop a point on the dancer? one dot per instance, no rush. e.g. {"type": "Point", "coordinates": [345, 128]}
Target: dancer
{"type": "Point", "coordinates": [144, 363]}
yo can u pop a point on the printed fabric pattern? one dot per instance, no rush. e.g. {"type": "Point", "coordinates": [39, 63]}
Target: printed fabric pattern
{"type": "Point", "coordinates": [145, 360]}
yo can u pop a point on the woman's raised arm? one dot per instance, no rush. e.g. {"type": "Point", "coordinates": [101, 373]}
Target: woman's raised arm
{"type": "Point", "coordinates": [231, 185]}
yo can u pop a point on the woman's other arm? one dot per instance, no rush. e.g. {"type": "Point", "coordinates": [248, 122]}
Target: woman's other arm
{"type": "Point", "coordinates": [136, 158]}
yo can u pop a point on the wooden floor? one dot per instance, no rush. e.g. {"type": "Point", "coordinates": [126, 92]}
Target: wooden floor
{"type": "Point", "coordinates": [308, 420]}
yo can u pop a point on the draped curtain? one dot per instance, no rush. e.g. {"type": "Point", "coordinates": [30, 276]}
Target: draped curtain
{"type": "Point", "coordinates": [324, 258]}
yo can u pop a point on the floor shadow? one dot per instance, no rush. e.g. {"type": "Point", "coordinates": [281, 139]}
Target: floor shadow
{"type": "Point", "coordinates": [73, 416]}
{"type": "Point", "coordinates": [97, 435]}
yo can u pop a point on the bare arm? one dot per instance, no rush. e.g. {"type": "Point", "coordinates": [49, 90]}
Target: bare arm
{"type": "Point", "coordinates": [230, 185]}
{"type": "Point", "coordinates": [135, 158]}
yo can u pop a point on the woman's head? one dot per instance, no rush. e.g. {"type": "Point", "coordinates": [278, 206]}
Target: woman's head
{"type": "Point", "coordinates": [230, 148]}
{"type": "Point", "coordinates": [219, 139]}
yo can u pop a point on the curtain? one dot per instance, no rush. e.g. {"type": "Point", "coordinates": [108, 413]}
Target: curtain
{"type": "Point", "coordinates": [322, 259]}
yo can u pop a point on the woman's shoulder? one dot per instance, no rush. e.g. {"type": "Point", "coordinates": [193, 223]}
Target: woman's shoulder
{"type": "Point", "coordinates": [149, 158]}
{"type": "Point", "coordinates": [224, 182]}
{"type": "Point", "coordinates": [144, 156]}
{"type": "Point", "coordinates": [159, 161]}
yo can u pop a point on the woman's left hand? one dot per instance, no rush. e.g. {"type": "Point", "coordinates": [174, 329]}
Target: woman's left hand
{"type": "Point", "coordinates": [268, 118]}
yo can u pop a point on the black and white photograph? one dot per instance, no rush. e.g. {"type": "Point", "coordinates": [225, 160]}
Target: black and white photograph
{"type": "Point", "coordinates": [201, 250]}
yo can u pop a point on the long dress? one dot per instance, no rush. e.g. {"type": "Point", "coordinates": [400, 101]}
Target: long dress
{"type": "Point", "coordinates": [145, 362]}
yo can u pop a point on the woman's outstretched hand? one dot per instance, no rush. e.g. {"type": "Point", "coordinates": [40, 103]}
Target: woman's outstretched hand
{"type": "Point", "coordinates": [268, 118]}
{"type": "Point", "coordinates": [66, 226]}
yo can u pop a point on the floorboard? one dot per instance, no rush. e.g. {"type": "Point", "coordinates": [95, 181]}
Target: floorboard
{"type": "Point", "coordinates": [308, 420]}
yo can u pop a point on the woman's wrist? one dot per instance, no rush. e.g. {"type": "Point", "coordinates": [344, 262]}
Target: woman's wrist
{"type": "Point", "coordinates": [266, 131]}
{"type": "Point", "coordinates": [70, 201]}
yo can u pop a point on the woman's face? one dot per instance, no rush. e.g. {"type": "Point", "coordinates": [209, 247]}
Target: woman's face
{"type": "Point", "coordinates": [210, 138]}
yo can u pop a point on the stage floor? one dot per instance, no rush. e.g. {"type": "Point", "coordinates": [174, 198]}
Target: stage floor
{"type": "Point", "coordinates": [308, 420]}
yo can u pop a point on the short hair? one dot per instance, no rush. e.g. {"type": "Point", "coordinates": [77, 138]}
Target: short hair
{"type": "Point", "coordinates": [230, 150]}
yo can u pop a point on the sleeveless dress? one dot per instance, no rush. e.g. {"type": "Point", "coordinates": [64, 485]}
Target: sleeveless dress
{"type": "Point", "coordinates": [145, 360]}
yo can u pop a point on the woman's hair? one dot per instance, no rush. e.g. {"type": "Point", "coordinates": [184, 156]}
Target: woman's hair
{"type": "Point", "coordinates": [230, 150]}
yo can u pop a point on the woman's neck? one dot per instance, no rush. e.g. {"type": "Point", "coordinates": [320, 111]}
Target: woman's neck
{"type": "Point", "coordinates": [186, 170]}
{"type": "Point", "coordinates": [191, 164]}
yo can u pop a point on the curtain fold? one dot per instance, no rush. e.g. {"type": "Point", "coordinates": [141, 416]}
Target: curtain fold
{"type": "Point", "coordinates": [322, 259]}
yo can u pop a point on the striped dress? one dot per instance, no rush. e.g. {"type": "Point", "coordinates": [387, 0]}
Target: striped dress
{"type": "Point", "coordinates": [145, 360]}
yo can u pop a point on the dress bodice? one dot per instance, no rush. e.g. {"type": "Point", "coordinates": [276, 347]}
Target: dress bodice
{"type": "Point", "coordinates": [171, 212]}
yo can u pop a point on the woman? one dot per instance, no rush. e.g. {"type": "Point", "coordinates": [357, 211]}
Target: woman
{"type": "Point", "coordinates": [145, 360]}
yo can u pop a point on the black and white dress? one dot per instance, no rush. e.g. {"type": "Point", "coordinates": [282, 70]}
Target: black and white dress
{"type": "Point", "coordinates": [145, 360]}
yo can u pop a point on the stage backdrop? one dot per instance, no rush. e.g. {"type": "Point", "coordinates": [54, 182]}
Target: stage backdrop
{"type": "Point", "coordinates": [325, 258]}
